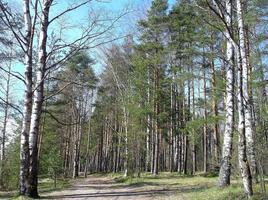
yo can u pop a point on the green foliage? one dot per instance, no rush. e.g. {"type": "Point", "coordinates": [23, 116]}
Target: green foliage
{"type": "Point", "coordinates": [11, 167]}
{"type": "Point", "coordinates": [51, 161]}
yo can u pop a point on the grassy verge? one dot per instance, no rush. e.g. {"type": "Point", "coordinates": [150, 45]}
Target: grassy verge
{"type": "Point", "coordinates": [198, 187]}
{"type": "Point", "coordinates": [45, 185]}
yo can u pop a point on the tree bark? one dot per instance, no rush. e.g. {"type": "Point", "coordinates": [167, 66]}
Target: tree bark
{"type": "Point", "coordinates": [247, 101]}
{"type": "Point", "coordinates": [156, 122]}
{"type": "Point", "coordinates": [148, 127]}
{"type": "Point", "coordinates": [205, 128]}
{"type": "Point", "coordinates": [242, 150]}
{"type": "Point", "coordinates": [88, 147]}
{"type": "Point", "coordinates": [193, 130]}
{"type": "Point", "coordinates": [27, 105]}
{"type": "Point", "coordinates": [225, 168]}
{"type": "Point", "coordinates": [4, 130]}
{"type": "Point", "coordinates": [216, 134]}
{"type": "Point", "coordinates": [38, 101]}
{"type": "Point", "coordinates": [126, 165]}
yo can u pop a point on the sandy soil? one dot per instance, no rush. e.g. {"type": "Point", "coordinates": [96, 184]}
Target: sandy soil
{"type": "Point", "coordinates": [106, 188]}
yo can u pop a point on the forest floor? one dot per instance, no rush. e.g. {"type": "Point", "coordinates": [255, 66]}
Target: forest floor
{"type": "Point", "coordinates": [166, 186]}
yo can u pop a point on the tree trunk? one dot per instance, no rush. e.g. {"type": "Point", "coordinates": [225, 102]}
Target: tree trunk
{"type": "Point", "coordinates": [225, 168]}
{"type": "Point", "coordinates": [27, 105]}
{"type": "Point", "coordinates": [156, 124]}
{"type": "Point", "coordinates": [4, 130]}
{"type": "Point", "coordinates": [37, 102]}
{"type": "Point", "coordinates": [148, 127]}
{"type": "Point", "coordinates": [88, 148]}
{"type": "Point", "coordinates": [193, 130]}
{"type": "Point", "coordinates": [126, 173]}
{"type": "Point", "coordinates": [242, 150]}
{"type": "Point", "coordinates": [247, 105]}
{"type": "Point", "coordinates": [77, 136]}
{"type": "Point", "coordinates": [205, 128]}
{"type": "Point", "coordinates": [216, 134]}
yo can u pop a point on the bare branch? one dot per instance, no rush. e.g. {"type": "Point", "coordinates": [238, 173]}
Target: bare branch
{"type": "Point", "coordinates": [13, 74]}
{"type": "Point", "coordinates": [60, 90]}
{"type": "Point", "coordinates": [57, 120]}
{"type": "Point", "coordinates": [8, 23]}
{"type": "Point", "coordinates": [68, 10]}
{"type": "Point", "coordinates": [15, 107]}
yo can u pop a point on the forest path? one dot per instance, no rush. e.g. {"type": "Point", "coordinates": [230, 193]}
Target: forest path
{"type": "Point", "coordinates": [98, 187]}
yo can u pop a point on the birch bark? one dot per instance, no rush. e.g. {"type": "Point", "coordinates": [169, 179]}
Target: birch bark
{"type": "Point", "coordinates": [38, 101]}
{"type": "Point", "coordinates": [225, 168]}
{"type": "Point", "coordinates": [126, 173]}
{"type": "Point", "coordinates": [246, 98]}
{"type": "Point", "coordinates": [242, 150]}
{"type": "Point", "coordinates": [27, 105]}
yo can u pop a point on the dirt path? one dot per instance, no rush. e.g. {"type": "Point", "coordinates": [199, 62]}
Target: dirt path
{"type": "Point", "coordinates": [106, 188]}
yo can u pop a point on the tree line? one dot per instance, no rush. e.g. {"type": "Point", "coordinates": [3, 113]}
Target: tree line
{"type": "Point", "coordinates": [186, 93]}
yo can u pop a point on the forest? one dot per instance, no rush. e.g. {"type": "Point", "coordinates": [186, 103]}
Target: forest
{"type": "Point", "coordinates": [134, 99]}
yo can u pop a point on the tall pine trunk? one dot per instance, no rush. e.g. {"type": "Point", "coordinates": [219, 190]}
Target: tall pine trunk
{"type": "Point", "coordinates": [216, 134]}
{"type": "Point", "coordinates": [193, 130]}
{"type": "Point", "coordinates": [205, 128]}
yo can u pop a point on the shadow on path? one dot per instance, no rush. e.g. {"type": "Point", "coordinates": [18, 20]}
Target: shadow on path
{"type": "Point", "coordinates": [151, 193]}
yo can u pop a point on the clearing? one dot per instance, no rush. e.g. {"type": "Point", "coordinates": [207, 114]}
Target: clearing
{"type": "Point", "coordinates": [165, 186]}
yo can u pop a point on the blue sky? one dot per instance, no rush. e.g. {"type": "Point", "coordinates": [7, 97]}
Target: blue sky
{"type": "Point", "coordinates": [80, 17]}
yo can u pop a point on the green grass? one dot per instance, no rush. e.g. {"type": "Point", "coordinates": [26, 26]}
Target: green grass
{"type": "Point", "coordinates": [45, 185]}
{"type": "Point", "coordinates": [176, 186]}
{"type": "Point", "coordinates": [200, 187]}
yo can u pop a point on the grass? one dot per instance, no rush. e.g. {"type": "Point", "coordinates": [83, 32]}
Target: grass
{"type": "Point", "coordinates": [45, 185]}
{"type": "Point", "coordinates": [172, 186]}
{"type": "Point", "coordinates": [200, 187]}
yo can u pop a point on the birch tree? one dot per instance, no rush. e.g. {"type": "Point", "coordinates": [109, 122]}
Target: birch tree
{"type": "Point", "coordinates": [245, 121]}
{"type": "Point", "coordinates": [38, 96]}
{"type": "Point", "coordinates": [24, 41]}
{"type": "Point", "coordinates": [225, 168]}
{"type": "Point", "coordinates": [249, 132]}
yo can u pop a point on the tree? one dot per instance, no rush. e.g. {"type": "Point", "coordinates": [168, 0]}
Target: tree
{"type": "Point", "coordinates": [153, 31]}
{"type": "Point", "coordinates": [225, 168]}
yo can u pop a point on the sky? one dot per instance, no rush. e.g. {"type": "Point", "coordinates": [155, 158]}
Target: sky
{"type": "Point", "coordinates": [79, 17]}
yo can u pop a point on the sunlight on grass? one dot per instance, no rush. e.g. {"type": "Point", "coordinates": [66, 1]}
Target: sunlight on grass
{"type": "Point", "coordinates": [170, 186]}
{"type": "Point", "coordinates": [45, 185]}
{"type": "Point", "coordinates": [198, 187]}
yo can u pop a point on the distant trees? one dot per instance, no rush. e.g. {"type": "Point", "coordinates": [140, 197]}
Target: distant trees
{"type": "Point", "coordinates": [174, 97]}
{"type": "Point", "coordinates": [52, 53]}
{"type": "Point", "coordinates": [5, 103]}
{"type": "Point", "coordinates": [177, 68]}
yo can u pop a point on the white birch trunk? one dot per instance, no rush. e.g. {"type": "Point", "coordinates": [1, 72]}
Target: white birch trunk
{"type": "Point", "coordinates": [38, 101]}
{"type": "Point", "coordinates": [27, 105]}
{"type": "Point", "coordinates": [247, 106]}
{"type": "Point", "coordinates": [225, 168]}
{"type": "Point", "coordinates": [242, 150]}
{"type": "Point", "coordinates": [77, 133]}
{"type": "Point", "coordinates": [148, 127]}
{"type": "Point", "coordinates": [126, 142]}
